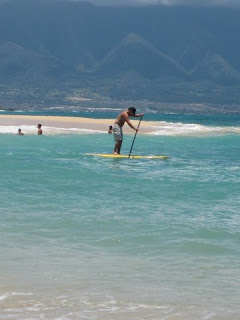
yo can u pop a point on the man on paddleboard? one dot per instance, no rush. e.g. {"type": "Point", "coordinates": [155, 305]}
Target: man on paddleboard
{"type": "Point", "coordinates": [118, 124]}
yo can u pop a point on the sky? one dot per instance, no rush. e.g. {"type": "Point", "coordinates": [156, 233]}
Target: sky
{"type": "Point", "coordinates": [227, 3]}
{"type": "Point", "coordinates": [208, 3]}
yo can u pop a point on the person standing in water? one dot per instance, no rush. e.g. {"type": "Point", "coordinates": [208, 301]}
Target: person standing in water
{"type": "Point", "coordinates": [118, 124]}
{"type": "Point", "coordinates": [20, 133]}
{"type": "Point", "coordinates": [110, 129]}
{"type": "Point", "coordinates": [39, 126]}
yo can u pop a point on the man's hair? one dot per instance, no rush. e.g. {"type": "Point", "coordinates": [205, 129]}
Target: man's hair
{"type": "Point", "coordinates": [132, 109]}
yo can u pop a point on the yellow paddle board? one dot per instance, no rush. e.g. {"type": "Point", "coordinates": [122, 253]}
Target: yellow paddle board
{"type": "Point", "coordinates": [119, 156]}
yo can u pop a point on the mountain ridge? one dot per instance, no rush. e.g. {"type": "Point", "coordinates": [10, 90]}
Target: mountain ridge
{"type": "Point", "coordinates": [136, 52]}
{"type": "Point", "coordinates": [157, 49]}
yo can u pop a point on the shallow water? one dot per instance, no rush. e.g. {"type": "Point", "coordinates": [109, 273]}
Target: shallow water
{"type": "Point", "coordinates": [90, 238]}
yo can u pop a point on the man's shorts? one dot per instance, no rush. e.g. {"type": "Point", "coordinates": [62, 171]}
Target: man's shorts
{"type": "Point", "coordinates": [117, 131]}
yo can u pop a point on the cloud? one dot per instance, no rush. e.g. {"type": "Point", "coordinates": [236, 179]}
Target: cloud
{"type": "Point", "coordinates": [198, 3]}
{"type": "Point", "coordinates": [209, 3]}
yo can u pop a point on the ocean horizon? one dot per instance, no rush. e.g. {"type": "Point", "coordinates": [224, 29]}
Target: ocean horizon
{"type": "Point", "coordinates": [91, 238]}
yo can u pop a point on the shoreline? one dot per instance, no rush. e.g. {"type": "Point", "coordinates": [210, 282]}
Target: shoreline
{"type": "Point", "coordinates": [62, 122]}
{"type": "Point", "coordinates": [80, 125]}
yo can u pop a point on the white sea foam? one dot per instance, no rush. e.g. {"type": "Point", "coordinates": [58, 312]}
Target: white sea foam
{"type": "Point", "coordinates": [191, 129]}
{"type": "Point", "coordinates": [47, 130]}
{"type": "Point", "coordinates": [54, 130]}
{"type": "Point", "coordinates": [22, 293]}
{"type": "Point", "coordinates": [161, 129]}
{"type": "Point", "coordinates": [3, 297]}
{"type": "Point", "coordinates": [8, 295]}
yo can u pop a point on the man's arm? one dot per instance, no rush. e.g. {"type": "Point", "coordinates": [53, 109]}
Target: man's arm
{"type": "Point", "coordinates": [131, 125]}
{"type": "Point", "coordinates": [139, 115]}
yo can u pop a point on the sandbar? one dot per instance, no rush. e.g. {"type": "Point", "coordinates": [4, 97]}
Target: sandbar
{"type": "Point", "coordinates": [71, 122]}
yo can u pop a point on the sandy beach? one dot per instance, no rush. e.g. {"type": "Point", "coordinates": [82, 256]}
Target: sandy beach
{"type": "Point", "coordinates": [79, 125]}
{"type": "Point", "coordinates": [59, 122]}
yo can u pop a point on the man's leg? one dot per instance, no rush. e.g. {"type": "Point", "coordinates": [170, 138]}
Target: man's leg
{"type": "Point", "coordinates": [117, 147]}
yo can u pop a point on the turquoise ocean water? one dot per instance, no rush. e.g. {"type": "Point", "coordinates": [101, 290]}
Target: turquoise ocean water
{"type": "Point", "coordinates": [99, 239]}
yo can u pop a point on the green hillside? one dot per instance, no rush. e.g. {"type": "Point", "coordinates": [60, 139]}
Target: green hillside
{"type": "Point", "coordinates": [216, 69]}
{"type": "Point", "coordinates": [168, 53]}
{"type": "Point", "coordinates": [134, 53]}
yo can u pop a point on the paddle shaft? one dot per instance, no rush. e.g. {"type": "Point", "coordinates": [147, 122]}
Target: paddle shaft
{"type": "Point", "coordinates": [135, 137]}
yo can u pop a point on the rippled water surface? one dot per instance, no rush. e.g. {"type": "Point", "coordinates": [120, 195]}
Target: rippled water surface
{"type": "Point", "coordinates": [89, 238]}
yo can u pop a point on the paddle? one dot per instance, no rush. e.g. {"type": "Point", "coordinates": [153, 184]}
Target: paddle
{"type": "Point", "coordinates": [135, 137]}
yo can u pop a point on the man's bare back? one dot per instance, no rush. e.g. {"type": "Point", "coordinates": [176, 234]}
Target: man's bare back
{"type": "Point", "coordinates": [118, 124]}
{"type": "Point", "coordinates": [124, 117]}
{"type": "Point", "coordinates": [121, 118]}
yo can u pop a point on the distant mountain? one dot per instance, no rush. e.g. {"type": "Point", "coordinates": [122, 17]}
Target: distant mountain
{"type": "Point", "coordinates": [196, 49]}
{"type": "Point", "coordinates": [215, 68]}
{"type": "Point", "coordinates": [161, 50]}
{"type": "Point", "coordinates": [134, 53]}
{"type": "Point", "coordinates": [20, 64]}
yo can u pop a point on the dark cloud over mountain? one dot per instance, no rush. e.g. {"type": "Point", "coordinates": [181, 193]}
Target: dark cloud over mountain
{"type": "Point", "coordinates": [229, 3]}
{"type": "Point", "coordinates": [161, 52]}
{"type": "Point", "coordinates": [195, 3]}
